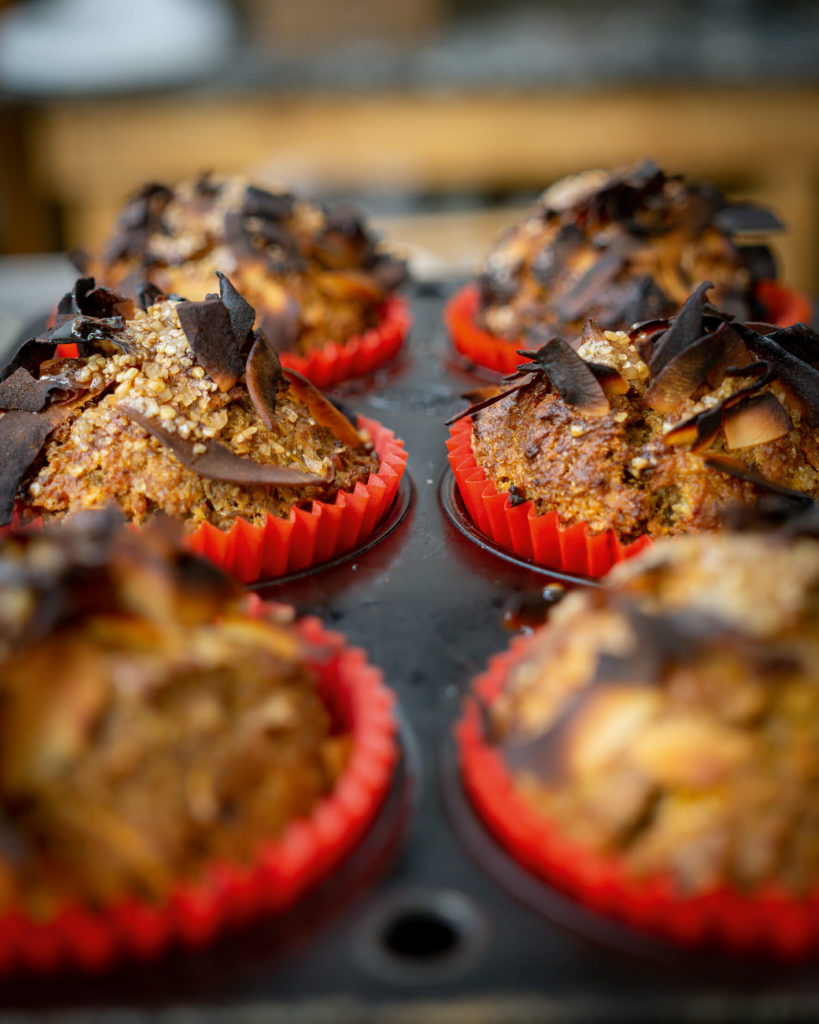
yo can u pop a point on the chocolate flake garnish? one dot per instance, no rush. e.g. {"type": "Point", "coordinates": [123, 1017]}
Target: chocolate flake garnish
{"type": "Point", "coordinates": [737, 218]}
{"type": "Point", "coordinates": [267, 205]}
{"type": "Point", "coordinates": [731, 466]}
{"type": "Point", "coordinates": [209, 332]}
{"type": "Point", "coordinates": [22, 436]}
{"type": "Point", "coordinates": [147, 294]}
{"type": "Point", "coordinates": [683, 331]}
{"type": "Point", "coordinates": [219, 463]}
{"type": "Point", "coordinates": [798, 375]}
{"type": "Point", "coordinates": [25, 393]}
{"type": "Point", "coordinates": [242, 314]}
{"type": "Point", "coordinates": [263, 375]}
{"type": "Point", "coordinates": [755, 420]}
{"type": "Point", "coordinates": [320, 408]}
{"type": "Point", "coordinates": [570, 376]}
{"type": "Point", "coordinates": [30, 355]}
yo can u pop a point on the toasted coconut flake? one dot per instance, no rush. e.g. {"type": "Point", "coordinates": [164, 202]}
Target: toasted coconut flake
{"type": "Point", "coordinates": [25, 393]}
{"type": "Point", "coordinates": [570, 376]}
{"type": "Point", "coordinates": [147, 294]}
{"type": "Point", "coordinates": [737, 218]}
{"type": "Point", "coordinates": [208, 328]}
{"type": "Point", "coordinates": [22, 436]}
{"type": "Point", "coordinates": [580, 296]}
{"type": "Point", "coordinates": [706, 359]}
{"type": "Point", "coordinates": [489, 399]}
{"type": "Point", "coordinates": [263, 375]}
{"type": "Point", "coordinates": [320, 408]}
{"type": "Point", "coordinates": [755, 420]}
{"type": "Point", "coordinates": [699, 431]}
{"type": "Point", "coordinates": [611, 381]}
{"type": "Point", "coordinates": [220, 463]}
{"type": "Point", "coordinates": [267, 205]}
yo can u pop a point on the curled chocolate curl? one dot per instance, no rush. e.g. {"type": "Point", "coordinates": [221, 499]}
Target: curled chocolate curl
{"type": "Point", "coordinates": [219, 463]}
{"type": "Point", "coordinates": [263, 375]}
{"type": "Point", "coordinates": [320, 408]}
{"type": "Point", "coordinates": [209, 332]}
{"type": "Point", "coordinates": [570, 376]}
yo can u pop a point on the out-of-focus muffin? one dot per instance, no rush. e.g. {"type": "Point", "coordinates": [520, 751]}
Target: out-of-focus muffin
{"type": "Point", "coordinates": [161, 733]}
{"type": "Point", "coordinates": [663, 734]}
{"type": "Point", "coordinates": [316, 273]}
{"type": "Point", "coordinates": [621, 247]}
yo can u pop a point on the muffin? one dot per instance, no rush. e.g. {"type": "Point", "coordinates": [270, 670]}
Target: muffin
{"type": "Point", "coordinates": [654, 749]}
{"type": "Point", "coordinates": [618, 248]}
{"type": "Point", "coordinates": [163, 742]}
{"type": "Point", "coordinates": [648, 433]}
{"type": "Point", "coordinates": [316, 273]}
{"type": "Point", "coordinates": [180, 407]}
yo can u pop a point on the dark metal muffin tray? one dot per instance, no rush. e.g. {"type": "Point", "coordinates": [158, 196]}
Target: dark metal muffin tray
{"type": "Point", "coordinates": [429, 919]}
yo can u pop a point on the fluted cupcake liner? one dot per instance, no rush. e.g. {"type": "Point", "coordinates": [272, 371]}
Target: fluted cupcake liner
{"type": "Point", "coordinates": [520, 530]}
{"type": "Point", "coordinates": [334, 362]}
{"type": "Point", "coordinates": [284, 868]}
{"type": "Point", "coordinates": [769, 921]}
{"type": "Point", "coordinates": [783, 306]}
{"type": "Point", "coordinates": [309, 536]}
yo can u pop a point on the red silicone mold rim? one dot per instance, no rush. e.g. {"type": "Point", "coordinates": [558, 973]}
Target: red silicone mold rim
{"type": "Point", "coordinates": [334, 362]}
{"type": "Point", "coordinates": [769, 922]}
{"type": "Point", "coordinates": [784, 306]}
{"type": "Point", "coordinates": [228, 893]}
{"type": "Point", "coordinates": [519, 529]}
{"type": "Point", "coordinates": [313, 535]}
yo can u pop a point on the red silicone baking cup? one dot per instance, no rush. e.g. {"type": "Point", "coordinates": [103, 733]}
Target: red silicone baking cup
{"type": "Point", "coordinates": [333, 362]}
{"type": "Point", "coordinates": [311, 535]}
{"type": "Point", "coordinates": [284, 869]}
{"type": "Point", "coordinates": [769, 922]}
{"type": "Point", "coordinates": [520, 530]}
{"type": "Point", "coordinates": [783, 306]}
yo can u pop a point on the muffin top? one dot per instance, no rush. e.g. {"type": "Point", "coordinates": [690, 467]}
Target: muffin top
{"type": "Point", "coordinates": [149, 725]}
{"type": "Point", "coordinates": [621, 247]}
{"type": "Point", "coordinates": [315, 272]}
{"type": "Point", "coordinates": [657, 430]}
{"type": "Point", "coordinates": [671, 717]}
{"type": "Point", "coordinates": [175, 406]}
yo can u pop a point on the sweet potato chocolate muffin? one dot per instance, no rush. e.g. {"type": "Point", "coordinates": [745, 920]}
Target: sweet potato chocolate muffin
{"type": "Point", "coordinates": [315, 273]}
{"type": "Point", "coordinates": [148, 724]}
{"type": "Point", "coordinates": [621, 247]}
{"type": "Point", "coordinates": [175, 406]}
{"type": "Point", "coordinates": [655, 431]}
{"type": "Point", "coordinates": [671, 717]}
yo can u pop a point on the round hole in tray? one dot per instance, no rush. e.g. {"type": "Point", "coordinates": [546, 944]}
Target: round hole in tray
{"type": "Point", "coordinates": [422, 934]}
{"type": "Point", "coordinates": [455, 511]}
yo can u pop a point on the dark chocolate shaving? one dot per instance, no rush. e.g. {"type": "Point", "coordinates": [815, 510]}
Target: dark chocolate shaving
{"type": "Point", "coordinates": [29, 356]}
{"type": "Point", "coordinates": [25, 393]}
{"type": "Point", "coordinates": [220, 463]}
{"type": "Point", "coordinates": [731, 466]}
{"type": "Point", "coordinates": [683, 331]}
{"type": "Point", "coordinates": [580, 296]}
{"type": "Point", "coordinates": [147, 294]}
{"type": "Point", "coordinates": [209, 332]}
{"type": "Point", "coordinates": [22, 436]}
{"type": "Point", "coordinates": [242, 314]}
{"type": "Point", "coordinates": [800, 377]}
{"type": "Point", "coordinates": [267, 205]}
{"type": "Point", "coordinates": [320, 408]}
{"type": "Point", "coordinates": [263, 375]}
{"type": "Point", "coordinates": [736, 218]}
{"type": "Point", "coordinates": [570, 376]}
